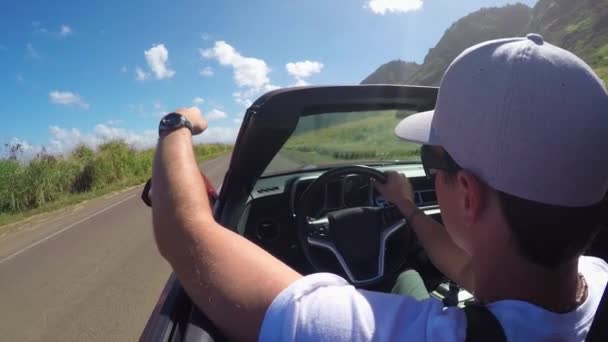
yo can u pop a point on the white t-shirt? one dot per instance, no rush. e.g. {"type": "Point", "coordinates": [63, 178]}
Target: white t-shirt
{"type": "Point", "coordinates": [324, 307]}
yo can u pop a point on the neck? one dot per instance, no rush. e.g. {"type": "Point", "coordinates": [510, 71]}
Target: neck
{"type": "Point", "coordinates": [501, 276]}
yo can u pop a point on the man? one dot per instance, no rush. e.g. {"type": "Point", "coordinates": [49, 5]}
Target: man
{"type": "Point", "coordinates": [517, 145]}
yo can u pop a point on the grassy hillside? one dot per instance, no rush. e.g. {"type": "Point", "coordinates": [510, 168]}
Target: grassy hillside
{"type": "Point", "coordinates": [580, 26]}
{"type": "Point", "coordinates": [477, 27]}
{"type": "Point", "coordinates": [393, 72]}
{"type": "Point", "coordinates": [370, 138]}
{"type": "Point", "coordinates": [48, 180]}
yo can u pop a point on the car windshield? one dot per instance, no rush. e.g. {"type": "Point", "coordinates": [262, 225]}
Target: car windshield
{"type": "Point", "coordinates": [345, 138]}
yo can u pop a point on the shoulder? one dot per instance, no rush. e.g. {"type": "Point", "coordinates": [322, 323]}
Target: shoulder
{"type": "Point", "coordinates": [325, 307]}
{"type": "Point", "coordinates": [593, 266]}
{"type": "Point", "coordinates": [595, 271]}
{"type": "Point", "coordinates": [525, 321]}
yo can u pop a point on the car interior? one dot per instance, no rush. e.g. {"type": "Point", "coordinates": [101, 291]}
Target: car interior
{"type": "Point", "coordinates": [322, 215]}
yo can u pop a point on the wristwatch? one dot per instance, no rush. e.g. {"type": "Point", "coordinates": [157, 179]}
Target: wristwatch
{"type": "Point", "coordinates": [171, 122]}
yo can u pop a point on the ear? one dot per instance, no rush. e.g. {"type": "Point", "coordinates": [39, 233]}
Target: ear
{"type": "Point", "coordinates": [473, 196]}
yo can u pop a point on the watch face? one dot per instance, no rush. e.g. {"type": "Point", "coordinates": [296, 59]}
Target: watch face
{"type": "Point", "coordinates": [171, 120]}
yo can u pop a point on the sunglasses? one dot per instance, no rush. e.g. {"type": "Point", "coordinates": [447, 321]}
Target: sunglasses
{"type": "Point", "coordinates": [434, 159]}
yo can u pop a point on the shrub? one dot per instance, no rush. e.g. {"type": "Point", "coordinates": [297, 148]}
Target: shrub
{"type": "Point", "coordinates": [49, 178]}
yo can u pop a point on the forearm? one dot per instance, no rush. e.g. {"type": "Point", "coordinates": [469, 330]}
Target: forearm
{"type": "Point", "coordinates": [226, 275]}
{"type": "Point", "coordinates": [450, 259]}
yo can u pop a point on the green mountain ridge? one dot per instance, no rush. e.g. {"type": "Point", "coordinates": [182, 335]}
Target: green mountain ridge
{"type": "Point", "coordinates": [579, 26]}
{"type": "Point", "coordinates": [393, 72]}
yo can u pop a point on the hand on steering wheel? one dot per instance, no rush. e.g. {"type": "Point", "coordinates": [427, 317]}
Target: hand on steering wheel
{"type": "Point", "coordinates": [396, 188]}
{"type": "Point", "coordinates": [357, 237]}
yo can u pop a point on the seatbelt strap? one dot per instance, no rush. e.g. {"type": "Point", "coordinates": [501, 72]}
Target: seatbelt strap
{"type": "Point", "coordinates": [599, 331]}
{"type": "Point", "coordinates": [482, 325]}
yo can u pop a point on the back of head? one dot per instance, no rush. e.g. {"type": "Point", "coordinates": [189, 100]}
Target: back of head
{"type": "Point", "coordinates": [531, 120]}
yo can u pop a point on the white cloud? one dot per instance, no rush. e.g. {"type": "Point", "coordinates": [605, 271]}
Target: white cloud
{"type": "Point", "coordinates": [124, 69]}
{"type": "Point", "coordinates": [197, 101]}
{"type": "Point", "coordinates": [31, 52]}
{"type": "Point", "coordinates": [20, 149]}
{"type": "Point", "coordinates": [206, 72]}
{"type": "Point", "coordinates": [65, 30]}
{"type": "Point", "coordinates": [67, 98]}
{"type": "Point", "coordinates": [302, 70]}
{"type": "Point", "coordinates": [64, 140]}
{"type": "Point", "coordinates": [158, 61]}
{"type": "Point", "coordinates": [394, 6]}
{"type": "Point", "coordinates": [141, 75]}
{"type": "Point", "coordinates": [246, 97]}
{"type": "Point", "coordinates": [248, 71]}
{"type": "Point", "coordinates": [225, 135]}
{"type": "Point", "coordinates": [301, 83]}
{"type": "Point", "coordinates": [146, 139]}
{"type": "Point", "coordinates": [215, 114]}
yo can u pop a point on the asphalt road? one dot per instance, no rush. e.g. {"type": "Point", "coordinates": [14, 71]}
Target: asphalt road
{"type": "Point", "coordinates": [87, 273]}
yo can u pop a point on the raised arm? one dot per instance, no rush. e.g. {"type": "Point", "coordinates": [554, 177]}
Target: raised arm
{"type": "Point", "coordinates": [450, 259]}
{"type": "Point", "coordinates": [230, 279]}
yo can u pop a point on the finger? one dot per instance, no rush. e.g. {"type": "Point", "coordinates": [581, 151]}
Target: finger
{"type": "Point", "coordinates": [189, 110]}
{"type": "Point", "coordinates": [377, 185]}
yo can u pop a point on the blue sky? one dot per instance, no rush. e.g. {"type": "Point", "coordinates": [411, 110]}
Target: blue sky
{"type": "Point", "coordinates": [84, 72]}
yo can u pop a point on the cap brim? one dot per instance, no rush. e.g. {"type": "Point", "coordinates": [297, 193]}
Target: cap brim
{"type": "Point", "coordinates": [417, 128]}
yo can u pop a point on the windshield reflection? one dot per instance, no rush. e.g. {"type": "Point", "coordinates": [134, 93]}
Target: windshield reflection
{"type": "Point", "coordinates": [344, 138]}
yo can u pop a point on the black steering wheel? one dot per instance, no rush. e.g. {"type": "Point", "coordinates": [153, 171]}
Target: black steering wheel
{"type": "Point", "coordinates": [356, 237]}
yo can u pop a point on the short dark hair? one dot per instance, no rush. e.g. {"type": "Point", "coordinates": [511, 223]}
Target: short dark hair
{"type": "Point", "coordinates": [550, 235]}
{"type": "Point", "coordinates": [547, 235]}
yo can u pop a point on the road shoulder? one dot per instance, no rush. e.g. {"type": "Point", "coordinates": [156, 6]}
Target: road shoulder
{"type": "Point", "coordinates": [15, 237]}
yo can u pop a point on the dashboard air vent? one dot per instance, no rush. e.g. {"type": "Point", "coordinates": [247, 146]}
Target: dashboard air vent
{"type": "Point", "coordinates": [424, 198]}
{"type": "Point", "coordinates": [268, 230]}
{"type": "Point", "coordinates": [267, 190]}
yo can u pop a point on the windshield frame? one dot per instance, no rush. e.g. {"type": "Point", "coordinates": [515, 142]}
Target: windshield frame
{"type": "Point", "coordinates": [273, 117]}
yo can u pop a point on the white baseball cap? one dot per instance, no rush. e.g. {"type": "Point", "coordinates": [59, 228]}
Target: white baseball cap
{"type": "Point", "coordinates": [527, 117]}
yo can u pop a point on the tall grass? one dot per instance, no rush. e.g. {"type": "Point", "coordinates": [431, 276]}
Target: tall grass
{"type": "Point", "coordinates": [48, 179]}
{"type": "Point", "coordinates": [369, 138]}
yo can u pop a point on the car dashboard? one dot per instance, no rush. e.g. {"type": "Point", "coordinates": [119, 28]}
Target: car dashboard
{"type": "Point", "coordinates": [269, 216]}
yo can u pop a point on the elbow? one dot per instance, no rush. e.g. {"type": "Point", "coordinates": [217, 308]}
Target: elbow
{"type": "Point", "coordinates": [175, 237]}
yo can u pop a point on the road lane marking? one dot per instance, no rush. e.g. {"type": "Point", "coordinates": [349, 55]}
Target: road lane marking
{"type": "Point", "coordinates": [64, 229]}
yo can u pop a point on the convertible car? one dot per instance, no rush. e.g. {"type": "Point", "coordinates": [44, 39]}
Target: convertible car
{"type": "Point", "coordinates": [298, 185]}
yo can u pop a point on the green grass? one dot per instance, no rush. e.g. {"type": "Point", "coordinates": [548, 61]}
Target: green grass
{"type": "Point", "coordinates": [49, 182]}
{"type": "Point", "coordinates": [370, 138]}
{"type": "Point", "coordinates": [599, 61]}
